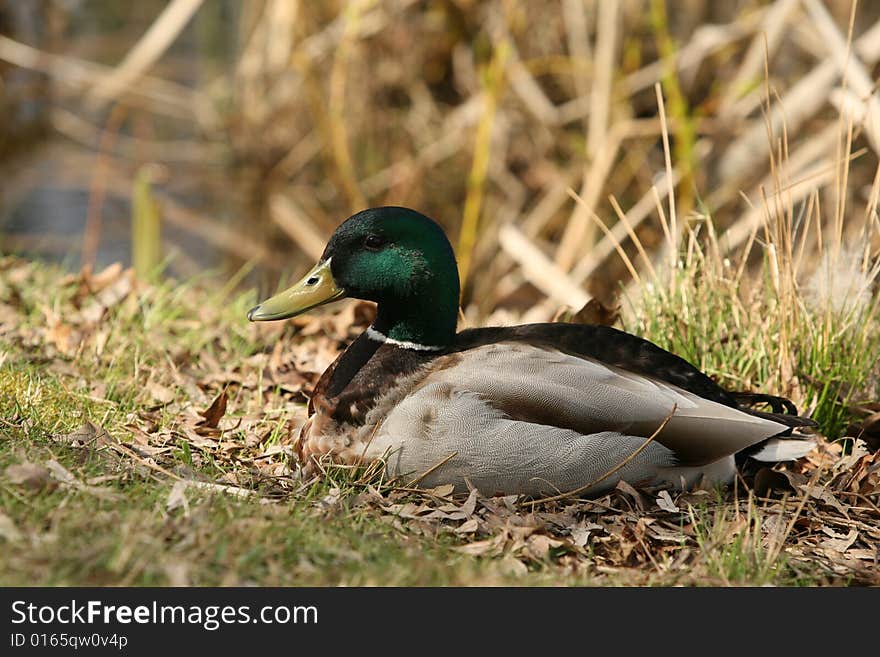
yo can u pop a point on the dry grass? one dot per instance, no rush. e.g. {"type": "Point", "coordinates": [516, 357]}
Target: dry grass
{"type": "Point", "coordinates": [147, 439]}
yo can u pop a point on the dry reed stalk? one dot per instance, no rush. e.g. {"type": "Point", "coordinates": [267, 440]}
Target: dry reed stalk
{"type": "Point", "coordinates": [853, 70]}
{"type": "Point", "coordinates": [186, 151]}
{"type": "Point", "coordinates": [576, 238]}
{"type": "Point", "coordinates": [336, 106]}
{"type": "Point", "coordinates": [578, 41]}
{"type": "Point", "coordinates": [770, 35]}
{"type": "Point", "coordinates": [157, 95]}
{"type": "Point", "coordinates": [705, 41]}
{"type": "Point", "coordinates": [640, 211]}
{"type": "Point", "coordinates": [297, 158]}
{"type": "Point", "coordinates": [493, 86]}
{"type": "Point", "coordinates": [268, 44]}
{"type": "Point", "coordinates": [601, 147]}
{"type": "Point", "coordinates": [554, 196]}
{"type": "Point", "coordinates": [146, 52]}
{"type": "Point", "coordinates": [414, 148]}
{"type": "Point", "coordinates": [600, 92]}
{"type": "Point", "coordinates": [297, 226]}
{"type": "Point", "coordinates": [617, 245]}
{"type": "Point", "coordinates": [539, 270]}
{"type": "Point", "coordinates": [621, 216]}
{"type": "Point", "coordinates": [672, 233]}
{"type": "Point", "coordinates": [798, 166]}
{"type": "Point", "coordinates": [452, 138]}
{"type": "Point", "coordinates": [523, 84]}
{"type": "Point", "coordinates": [805, 97]}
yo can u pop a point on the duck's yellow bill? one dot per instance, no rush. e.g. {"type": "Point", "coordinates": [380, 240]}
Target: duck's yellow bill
{"type": "Point", "coordinates": [314, 289]}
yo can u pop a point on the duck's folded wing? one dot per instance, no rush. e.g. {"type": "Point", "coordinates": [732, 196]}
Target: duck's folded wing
{"type": "Point", "coordinates": [537, 385]}
{"type": "Point", "coordinates": [442, 434]}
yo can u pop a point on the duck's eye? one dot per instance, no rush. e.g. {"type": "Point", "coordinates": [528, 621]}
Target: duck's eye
{"type": "Point", "coordinates": [374, 242]}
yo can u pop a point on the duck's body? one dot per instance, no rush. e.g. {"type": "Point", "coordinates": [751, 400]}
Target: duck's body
{"type": "Point", "coordinates": [534, 410]}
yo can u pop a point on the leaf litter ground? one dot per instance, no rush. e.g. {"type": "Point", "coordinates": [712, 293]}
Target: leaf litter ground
{"type": "Point", "coordinates": [147, 437]}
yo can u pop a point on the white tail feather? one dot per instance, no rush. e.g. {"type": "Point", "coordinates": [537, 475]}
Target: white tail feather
{"type": "Point", "coordinates": [779, 449]}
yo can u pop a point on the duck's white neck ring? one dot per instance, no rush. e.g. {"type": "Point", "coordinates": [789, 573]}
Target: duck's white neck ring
{"type": "Point", "coordinates": [378, 336]}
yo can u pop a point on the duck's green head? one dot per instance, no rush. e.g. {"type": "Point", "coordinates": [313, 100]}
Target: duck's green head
{"type": "Point", "coordinates": [394, 256]}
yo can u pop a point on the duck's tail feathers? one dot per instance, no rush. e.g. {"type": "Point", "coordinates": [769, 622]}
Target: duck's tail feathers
{"type": "Point", "coordinates": [783, 449]}
{"type": "Point", "coordinates": [779, 405]}
{"type": "Point", "coordinates": [782, 410]}
{"type": "Point", "coordinates": [785, 446]}
{"type": "Point", "coordinates": [791, 421]}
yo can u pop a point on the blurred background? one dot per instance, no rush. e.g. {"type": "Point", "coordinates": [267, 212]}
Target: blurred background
{"type": "Point", "coordinates": [193, 135]}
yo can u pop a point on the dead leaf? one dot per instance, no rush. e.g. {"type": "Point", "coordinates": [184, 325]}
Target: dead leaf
{"type": "Point", "coordinates": [858, 450]}
{"type": "Point", "coordinates": [196, 438]}
{"type": "Point", "coordinates": [468, 527]}
{"type": "Point", "coordinates": [466, 510]}
{"type": "Point", "coordinates": [89, 284]}
{"type": "Point", "coordinates": [839, 542]}
{"type": "Point", "coordinates": [331, 499]}
{"type": "Point", "coordinates": [118, 290]}
{"type": "Point", "coordinates": [664, 501]}
{"type": "Point", "coordinates": [625, 488]}
{"type": "Point", "coordinates": [478, 548]}
{"type": "Point", "coordinates": [512, 566]}
{"type": "Point", "coordinates": [64, 476]}
{"type": "Point", "coordinates": [470, 504]}
{"type": "Point", "coordinates": [580, 533]}
{"type": "Point", "coordinates": [596, 312]}
{"type": "Point", "coordinates": [825, 496]}
{"type": "Point", "coordinates": [28, 474]}
{"type": "Point", "coordinates": [538, 546]}
{"type": "Point", "coordinates": [90, 434]}
{"type": "Point", "coordinates": [444, 490]}
{"type": "Point", "coordinates": [159, 393]}
{"type": "Point", "coordinates": [100, 340]}
{"type": "Point", "coordinates": [868, 555]}
{"type": "Point", "coordinates": [92, 313]}
{"type": "Point", "coordinates": [59, 334]}
{"type": "Point", "coordinates": [666, 535]}
{"type": "Point", "coordinates": [215, 412]}
{"type": "Point", "coordinates": [768, 480]}
{"type": "Point", "coordinates": [105, 277]}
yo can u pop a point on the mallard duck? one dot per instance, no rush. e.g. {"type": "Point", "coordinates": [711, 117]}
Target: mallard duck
{"type": "Point", "coordinates": [534, 409]}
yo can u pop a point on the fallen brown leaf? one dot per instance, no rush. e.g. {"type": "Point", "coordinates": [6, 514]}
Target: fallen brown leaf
{"type": "Point", "coordinates": [60, 335]}
{"type": "Point", "coordinates": [90, 434]}
{"type": "Point", "coordinates": [596, 312]}
{"type": "Point", "coordinates": [29, 475]}
{"type": "Point", "coordinates": [215, 411]}
{"type": "Point", "coordinates": [664, 501]}
{"type": "Point", "coordinates": [839, 542]}
{"type": "Point", "coordinates": [66, 477]}
{"type": "Point", "coordinates": [768, 480]}
{"type": "Point", "coordinates": [825, 496]}
{"type": "Point", "coordinates": [468, 527]}
{"type": "Point", "coordinates": [159, 393]}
